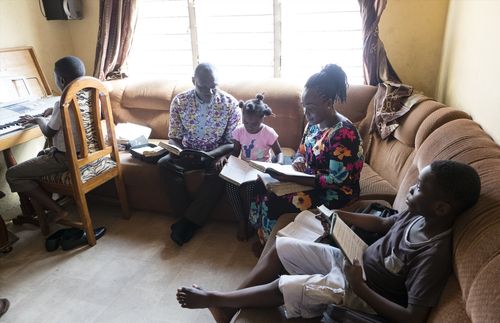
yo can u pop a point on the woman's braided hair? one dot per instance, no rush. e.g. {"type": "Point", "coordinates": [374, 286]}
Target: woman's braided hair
{"type": "Point", "coordinates": [330, 82]}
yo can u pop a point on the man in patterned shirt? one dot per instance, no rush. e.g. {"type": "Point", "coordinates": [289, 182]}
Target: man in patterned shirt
{"type": "Point", "coordinates": [202, 119]}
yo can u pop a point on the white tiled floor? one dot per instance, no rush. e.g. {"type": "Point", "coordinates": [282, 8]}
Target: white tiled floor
{"type": "Point", "coordinates": [131, 275]}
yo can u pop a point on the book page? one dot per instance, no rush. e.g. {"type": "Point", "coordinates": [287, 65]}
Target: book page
{"type": "Point", "coordinates": [171, 148]}
{"type": "Point", "coordinates": [238, 171]}
{"type": "Point", "coordinates": [351, 244]}
{"type": "Point", "coordinates": [285, 169]}
{"type": "Point", "coordinates": [305, 227]}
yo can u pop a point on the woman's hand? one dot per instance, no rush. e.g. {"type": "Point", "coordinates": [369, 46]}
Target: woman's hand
{"type": "Point", "coordinates": [299, 164]}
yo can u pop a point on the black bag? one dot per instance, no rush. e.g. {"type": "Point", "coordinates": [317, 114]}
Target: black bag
{"type": "Point", "coordinates": [187, 161]}
{"type": "Point", "coordinates": [339, 314]}
{"type": "Point", "coordinates": [374, 209]}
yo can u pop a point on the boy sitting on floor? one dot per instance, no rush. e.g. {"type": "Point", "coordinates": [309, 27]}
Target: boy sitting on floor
{"type": "Point", "coordinates": [406, 269]}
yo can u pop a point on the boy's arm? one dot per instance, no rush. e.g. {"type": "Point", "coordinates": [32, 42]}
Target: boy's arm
{"type": "Point", "coordinates": [367, 222]}
{"type": "Point", "coordinates": [41, 122]}
{"type": "Point", "coordinates": [386, 308]}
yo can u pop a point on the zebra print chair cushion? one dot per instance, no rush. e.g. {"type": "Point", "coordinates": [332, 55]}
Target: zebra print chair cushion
{"type": "Point", "coordinates": [87, 172]}
{"type": "Point", "coordinates": [95, 168]}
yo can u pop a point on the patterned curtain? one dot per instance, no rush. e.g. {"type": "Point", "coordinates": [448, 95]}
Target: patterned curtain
{"type": "Point", "coordinates": [376, 65]}
{"type": "Point", "coordinates": [117, 20]}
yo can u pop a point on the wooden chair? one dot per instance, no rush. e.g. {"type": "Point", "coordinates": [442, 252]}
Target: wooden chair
{"type": "Point", "coordinates": [97, 162]}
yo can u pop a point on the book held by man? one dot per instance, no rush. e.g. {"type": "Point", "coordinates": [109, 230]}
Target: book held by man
{"type": "Point", "coordinates": [178, 151]}
{"type": "Point", "coordinates": [238, 171]}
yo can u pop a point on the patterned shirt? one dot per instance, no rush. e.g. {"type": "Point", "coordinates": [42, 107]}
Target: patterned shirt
{"type": "Point", "coordinates": [203, 126]}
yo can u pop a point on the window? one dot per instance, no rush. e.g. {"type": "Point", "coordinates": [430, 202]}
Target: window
{"type": "Point", "coordinates": [247, 39]}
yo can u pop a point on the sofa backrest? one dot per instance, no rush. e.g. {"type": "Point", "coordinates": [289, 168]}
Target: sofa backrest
{"type": "Point", "coordinates": [392, 156]}
{"type": "Point", "coordinates": [147, 102]}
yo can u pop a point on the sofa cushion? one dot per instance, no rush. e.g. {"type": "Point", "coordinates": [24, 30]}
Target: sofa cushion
{"type": "Point", "coordinates": [484, 296]}
{"type": "Point", "coordinates": [358, 98]}
{"type": "Point", "coordinates": [148, 94]}
{"type": "Point", "coordinates": [451, 307]}
{"type": "Point", "coordinates": [375, 187]}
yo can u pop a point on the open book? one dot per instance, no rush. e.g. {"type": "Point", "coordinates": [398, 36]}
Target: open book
{"type": "Point", "coordinates": [350, 243]}
{"type": "Point", "coordinates": [306, 227]}
{"type": "Point", "coordinates": [184, 152]}
{"type": "Point", "coordinates": [266, 167]}
{"type": "Point", "coordinates": [238, 171]}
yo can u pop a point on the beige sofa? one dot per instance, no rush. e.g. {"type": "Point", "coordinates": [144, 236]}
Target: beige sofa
{"type": "Point", "coordinates": [430, 131]}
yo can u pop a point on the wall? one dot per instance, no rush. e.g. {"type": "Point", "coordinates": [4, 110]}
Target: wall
{"type": "Point", "coordinates": [413, 33]}
{"type": "Point", "coordinates": [470, 64]}
{"type": "Point", "coordinates": [84, 34]}
{"type": "Point", "coordinates": [22, 24]}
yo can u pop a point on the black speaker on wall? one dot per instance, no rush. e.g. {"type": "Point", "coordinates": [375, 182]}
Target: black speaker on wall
{"type": "Point", "coordinates": [62, 9]}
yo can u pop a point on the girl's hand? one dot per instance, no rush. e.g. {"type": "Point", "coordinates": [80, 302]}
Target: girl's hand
{"type": "Point", "coordinates": [354, 274]}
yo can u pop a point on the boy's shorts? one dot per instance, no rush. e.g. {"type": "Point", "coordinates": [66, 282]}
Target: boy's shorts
{"type": "Point", "coordinates": [316, 278]}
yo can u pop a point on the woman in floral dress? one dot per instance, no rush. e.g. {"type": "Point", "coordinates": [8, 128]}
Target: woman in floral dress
{"type": "Point", "coordinates": [330, 149]}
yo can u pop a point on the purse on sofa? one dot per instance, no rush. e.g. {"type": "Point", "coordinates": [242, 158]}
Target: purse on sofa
{"type": "Point", "coordinates": [374, 209]}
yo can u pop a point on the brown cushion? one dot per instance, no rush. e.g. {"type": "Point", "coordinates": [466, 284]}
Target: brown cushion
{"type": "Point", "coordinates": [451, 307]}
{"type": "Point", "coordinates": [484, 295]}
{"type": "Point", "coordinates": [358, 98]}
{"type": "Point", "coordinates": [374, 187]}
{"type": "Point", "coordinates": [148, 94]}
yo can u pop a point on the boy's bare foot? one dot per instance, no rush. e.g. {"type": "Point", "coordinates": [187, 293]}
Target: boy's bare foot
{"type": "Point", "coordinates": [196, 297]}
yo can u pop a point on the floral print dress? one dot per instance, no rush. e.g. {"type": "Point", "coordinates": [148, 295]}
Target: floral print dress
{"type": "Point", "coordinates": [335, 156]}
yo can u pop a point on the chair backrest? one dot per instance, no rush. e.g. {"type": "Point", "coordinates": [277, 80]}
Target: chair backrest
{"type": "Point", "coordinates": [86, 101]}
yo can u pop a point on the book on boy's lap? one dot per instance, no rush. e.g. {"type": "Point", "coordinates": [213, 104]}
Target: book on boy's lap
{"type": "Point", "coordinates": [238, 172]}
{"type": "Point", "coordinates": [306, 227]}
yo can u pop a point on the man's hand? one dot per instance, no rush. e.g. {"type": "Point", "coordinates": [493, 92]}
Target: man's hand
{"type": "Point", "coordinates": [354, 274]}
{"type": "Point", "coordinates": [27, 119]}
{"type": "Point", "coordinates": [220, 162]}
